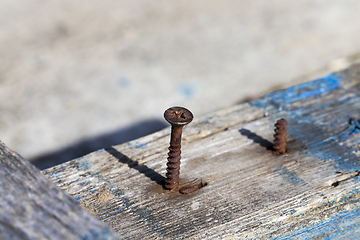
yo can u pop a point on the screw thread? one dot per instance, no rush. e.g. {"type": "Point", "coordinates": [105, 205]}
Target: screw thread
{"type": "Point", "coordinates": [280, 136]}
{"type": "Point", "coordinates": [173, 167]}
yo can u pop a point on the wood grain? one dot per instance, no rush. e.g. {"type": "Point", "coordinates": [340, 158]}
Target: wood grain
{"type": "Point", "coordinates": [32, 207]}
{"type": "Point", "coordinates": [311, 191]}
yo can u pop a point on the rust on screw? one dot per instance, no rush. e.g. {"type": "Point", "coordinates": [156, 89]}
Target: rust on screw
{"type": "Point", "coordinates": [178, 117]}
{"type": "Point", "coordinates": [280, 137]}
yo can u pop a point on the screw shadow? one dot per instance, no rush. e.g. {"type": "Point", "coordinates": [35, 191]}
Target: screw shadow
{"type": "Point", "coordinates": [89, 145]}
{"type": "Point", "coordinates": [257, 139]}
{"type": "Point", "coordinates": [148, 172]}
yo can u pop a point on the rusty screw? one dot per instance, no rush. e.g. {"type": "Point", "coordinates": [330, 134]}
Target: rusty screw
{"type": "Point", "coordinates": [280, 136]}
{"type": "Point", "coordinates": [178, 117]}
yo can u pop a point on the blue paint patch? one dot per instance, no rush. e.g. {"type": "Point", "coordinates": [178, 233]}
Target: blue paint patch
{"type": "Point", "coordinates": [343, 224]}
{"type": "Point", "coordinates": [143, 213]}
{"type": "Point", "coordinates": [140, 145]}
{"type": "Point", "coordinates": [291, 212]}
{"type": "Point", "coordinates": [349, 196]}
{"type": "Point", "coordinates": [110, 213]}
{"type": "Point", "coordinates": [313, 89]}
{"type": "Point", "coordinates": [188, 90]}
{"type": "Point", "coordinates": [95, 175]}
{"type": "Point", "coordinates": [344, 160]}
{"type": "Point", "coordinates": [105, 234]}
{"type": "Point", "coordinates": [322, 147]}
{"type": "Point", "coordinates": [116, 191]}
{"type": "Point", "coordinates": [289, 176]}
{"type": "Point", "coordinates": [84, 164]}
{"type": "Point", "coordinates": [353, 128]}
{"type": "Point", "coordinates": [78, 198]}
{"type": "Point", "coordinates": [55, 173]}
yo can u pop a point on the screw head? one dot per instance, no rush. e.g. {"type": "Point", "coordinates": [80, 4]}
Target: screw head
{"type": "Point", "coordinates": [178, 116]}
{"type": "Point", "coordinates": [281, 123]}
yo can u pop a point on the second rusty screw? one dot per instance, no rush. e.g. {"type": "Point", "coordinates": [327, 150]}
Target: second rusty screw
{"type": "Point", "coordinates": [280, 136]}
{"type": "Point", "coordinates": [178, 117]}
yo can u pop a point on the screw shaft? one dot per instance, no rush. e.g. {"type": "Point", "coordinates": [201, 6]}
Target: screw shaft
{"type": "Point", "coordinates": [173, 164]}
{"type": "Point", "coordinates": [280, 136]}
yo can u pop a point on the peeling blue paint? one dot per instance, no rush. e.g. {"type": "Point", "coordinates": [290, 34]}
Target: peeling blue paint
{"type": "Point", "coordinates": [140, 145]}
{"type": "Point", "coordinates": [292, 212]}
{"type": "Point", "coordinates": [349, 195]}
{"type": "Point", "coordinates": [95, 175]}
{"type": "Point", "coordinates": [110, 213]}
{"type": "Point", "coordinates": [289, 176]}
{"type": "Point", "coordinates": [84, 164]}
{"type": "Point", "coordinates": [322, 147]}
{"type": "Point", "coordinates": [55, 173]}
{"type": "Point", "coordinates": [116, 191]}
{"type": "Point", "coordinates": [104, 234]}
{"type": "Point", "coordinates": [342, 226]}
{"type": "Point", "coordinates": [143, 213]}
{"type": "Point", "coordinates": [316, 88]}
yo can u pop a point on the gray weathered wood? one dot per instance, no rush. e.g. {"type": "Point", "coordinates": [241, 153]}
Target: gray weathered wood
{"type": "Point", "coordinates": [32, 207]}
{"type": "Point", "coordinates": [311, 191]}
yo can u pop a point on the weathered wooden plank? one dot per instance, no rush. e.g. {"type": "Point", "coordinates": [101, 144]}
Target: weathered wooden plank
{"type": "Point", "coordinates": [32, 207]}
{"type": "Point", "coordinates": [311, 191]}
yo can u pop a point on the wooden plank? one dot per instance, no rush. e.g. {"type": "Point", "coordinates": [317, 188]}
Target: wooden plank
{"type": "Point", "coordinates": [32, 207]}
{"type": "Point", "coordinates": [311, 191]}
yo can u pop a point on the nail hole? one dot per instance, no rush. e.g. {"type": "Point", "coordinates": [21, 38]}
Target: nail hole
{"type": "Point", "coordinates": [335, 184]}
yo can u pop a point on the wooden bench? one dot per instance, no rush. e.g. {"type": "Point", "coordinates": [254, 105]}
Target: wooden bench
{"type": "Point", "coordinates": [312, 191]}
